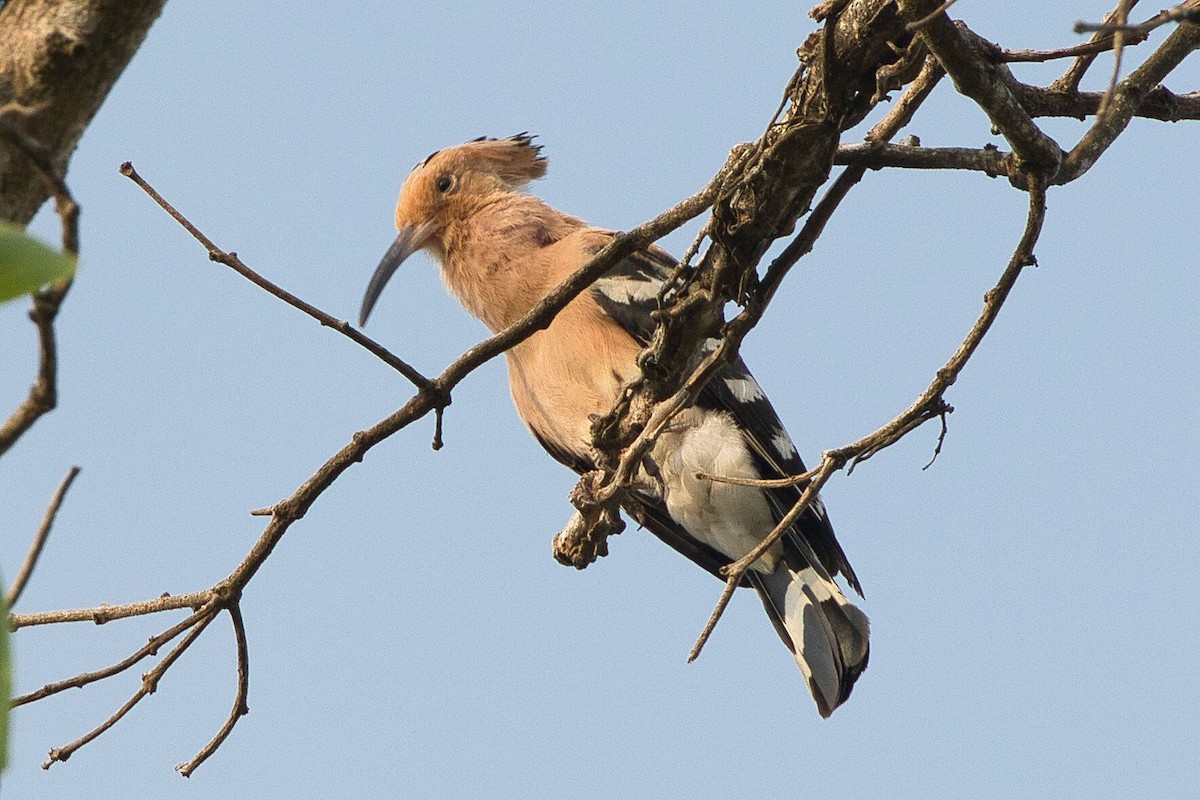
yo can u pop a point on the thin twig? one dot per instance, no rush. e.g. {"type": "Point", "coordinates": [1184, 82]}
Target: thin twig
{"type": "Point", "coordinates": [920, 23]}
{"type": "Point", "coordinates": [930, 404]}
{"type": "Point", "coordinates": [231, 260]}
{"type": "Point", "coordinates": [759, 483]}
{"type": "Point", "coordinates": [1069, 80]}
{"type": "Point", "coordinates": [84, 678]}
{"type": "Point", "coordinates": [102, 614]}
{"type": "Point", "coordinates": [941, 440]}
{"type": "Point", "coordinates": [736, 571]}
{"type": "Point", "coordinates": [149, 685]}
{"type": "Point", "coordinates": [240, 709]}
{"type": "Point", "coordinates": [1099, 45]}
{"type": "Point", "coordinates": [43, 394]}
{"type": "Point", "coordinates": [1118, 34]}
{"type": "Point", "coordinates": [39, 539]}
{"type": "Point", "coordinates": [1180, 13]}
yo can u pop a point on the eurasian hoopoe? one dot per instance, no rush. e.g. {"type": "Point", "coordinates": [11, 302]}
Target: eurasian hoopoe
{"type": "Point", "coordinates": [500, 252]}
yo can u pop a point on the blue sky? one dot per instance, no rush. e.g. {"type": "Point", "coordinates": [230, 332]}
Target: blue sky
{"type": "Point", "coordinates": [1032, 595]}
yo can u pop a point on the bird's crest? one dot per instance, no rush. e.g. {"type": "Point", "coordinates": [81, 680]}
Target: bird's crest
{"type": "Point", "coordinates": [514, 161]}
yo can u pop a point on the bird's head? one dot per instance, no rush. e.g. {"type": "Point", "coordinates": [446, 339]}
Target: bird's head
{"type": "Point", "coordinates": [447, 188]}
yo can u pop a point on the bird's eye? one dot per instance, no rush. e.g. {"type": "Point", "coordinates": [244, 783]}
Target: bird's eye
{"type": "Point", "coordinates": [444, 183]}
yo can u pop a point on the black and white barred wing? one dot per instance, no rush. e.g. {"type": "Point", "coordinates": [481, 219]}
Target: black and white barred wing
{"type": "Point", "coordinates": [630, 294]}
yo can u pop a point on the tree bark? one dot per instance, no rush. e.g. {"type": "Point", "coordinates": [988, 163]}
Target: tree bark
{"type": "Point", "coordinates": [58, 61]}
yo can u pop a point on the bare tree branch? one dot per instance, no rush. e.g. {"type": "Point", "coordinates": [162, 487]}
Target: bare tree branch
{"type": "Point", "coordinates": [232, 261]}
{"type": "Point", "coordinates": [1180, 13]}
{"type": "Point", "coordinates": [1101, 44]}
{"type": "Point", "coordinates": [879, 155]}
{"type": "Point", "coordinates": [58, 60]}
{"type": "Point", "coordinates": [240, 709]}
{"type": "Point", "coordinates": [39, 539]}
{"type": "Point", "coordinates": [841, 81]}
{"type": "Point", "coordinates": [1158, 103]}
{"type": "Point", "coordinates": [1069, 80]}
{"type": "Point", "coordinates": [224, 595]}
{"type": "Point", "coordinates": [83, 679]}
{"type": "Point", "coordinates": [1127, 96]}
{"type": "Point", "coordinates": [107, 613]}
{"type": "Point", "coordinates": [149, 686]}
{"type": "Point", "coordinates": [972, 74]}
{"type": "Point", "coordinates": [865, 50]}
{"type": "Point", "coordinates": [43, 394]}
{"type": "Point", "coordinates": [929, 405]}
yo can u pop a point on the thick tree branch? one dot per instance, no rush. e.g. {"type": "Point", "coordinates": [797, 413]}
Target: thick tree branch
{"type": "Point", "coordinates": [1157, 103]}
{"type": "Point", "coordinates": [974, 75]}
{"type": "Point", "coordinates": [58, 61]}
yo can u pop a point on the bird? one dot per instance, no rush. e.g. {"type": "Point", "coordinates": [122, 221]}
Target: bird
{"type": "Point", "coordinates": [501, 250]}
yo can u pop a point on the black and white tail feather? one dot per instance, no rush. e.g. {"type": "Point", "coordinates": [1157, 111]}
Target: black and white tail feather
{"type": "Point", "coordinates": [828, 635]}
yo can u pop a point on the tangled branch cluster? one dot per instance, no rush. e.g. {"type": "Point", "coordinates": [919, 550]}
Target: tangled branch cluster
{"type": "Point", "coordinates": [864, 50]}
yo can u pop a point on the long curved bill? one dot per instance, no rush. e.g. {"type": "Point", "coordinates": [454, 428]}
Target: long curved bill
{"type": "Point", "coordinates": [409, 240]}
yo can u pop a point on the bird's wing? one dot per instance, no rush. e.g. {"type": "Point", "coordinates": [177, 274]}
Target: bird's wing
{"type": "Point", "coordinates": [629, 293]}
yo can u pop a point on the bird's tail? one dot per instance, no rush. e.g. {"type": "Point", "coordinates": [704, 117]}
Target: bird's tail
{"type": "Point", "coordinates": [826, 633]}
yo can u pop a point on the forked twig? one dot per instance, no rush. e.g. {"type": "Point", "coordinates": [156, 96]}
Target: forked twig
{"type": "Point", "coordinates": [928, 406]}
{"type": "Point", "coordinates": [149, 686]}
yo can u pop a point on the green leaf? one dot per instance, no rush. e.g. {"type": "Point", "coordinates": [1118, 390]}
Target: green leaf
{"type": "Point", "coordinates": [5, 681]}
{"type": "Point", "coordinates": [27, 264]}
